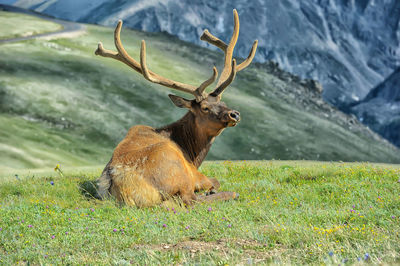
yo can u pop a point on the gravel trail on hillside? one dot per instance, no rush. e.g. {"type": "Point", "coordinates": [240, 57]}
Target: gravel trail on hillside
{"type": "Point", "coordinates": [70, 29]}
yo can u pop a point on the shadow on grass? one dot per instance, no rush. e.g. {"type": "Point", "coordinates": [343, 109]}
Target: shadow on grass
{"type": "Point", "coordinates": [89, 189]}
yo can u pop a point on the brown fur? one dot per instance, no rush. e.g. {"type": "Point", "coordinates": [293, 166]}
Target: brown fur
{"type": "Point", "coordinates": [150, 165]}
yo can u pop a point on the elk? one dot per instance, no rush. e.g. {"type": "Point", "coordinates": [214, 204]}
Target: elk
{"type": "Point", "coordinates": [151, 165]}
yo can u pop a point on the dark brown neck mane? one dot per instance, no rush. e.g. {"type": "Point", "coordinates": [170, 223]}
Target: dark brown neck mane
{"type": "Point", "coordinates": [194, 143]}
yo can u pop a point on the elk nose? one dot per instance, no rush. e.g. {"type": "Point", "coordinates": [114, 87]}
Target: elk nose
{"type": "Point", "coordinates": [235, 115]}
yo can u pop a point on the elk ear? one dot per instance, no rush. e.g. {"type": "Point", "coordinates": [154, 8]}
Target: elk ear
{"type": "Point", "coordinates": [180, 102]}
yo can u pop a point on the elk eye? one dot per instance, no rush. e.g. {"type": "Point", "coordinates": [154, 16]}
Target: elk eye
{"type": "Point", "coordinates": [205, 109]}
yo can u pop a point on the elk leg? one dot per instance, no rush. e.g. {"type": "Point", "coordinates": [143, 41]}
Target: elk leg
{"type": "Point", "coordinates": [216, 186]}
{"type": "Point", "coordinates": [215, 183]}
{"type": "Point", "coordinates": [188, 198]}
{"type": "Point", "coordinates": [220, 196]}
{"type": "Point", "coordinates": [205, 183]}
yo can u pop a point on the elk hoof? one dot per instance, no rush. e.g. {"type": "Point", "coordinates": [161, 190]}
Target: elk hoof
{"type": "Point", "coordinates": [215, 184]}
{"type": "Point", "coordinates": [212, 191]}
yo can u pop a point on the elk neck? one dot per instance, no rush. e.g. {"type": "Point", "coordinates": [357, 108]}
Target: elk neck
{"type": "Point", "coordinates": [193, 141]}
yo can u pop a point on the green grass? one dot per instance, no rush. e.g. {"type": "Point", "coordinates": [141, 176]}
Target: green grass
{"type": "Point", "coordinates": [15, 25]}
{"type": "Point", "coordinates": [26, 144]}
{"type": "Point", "coordinates": [291, 212]}
{"type": "Point", "coordinates": [59, 103]}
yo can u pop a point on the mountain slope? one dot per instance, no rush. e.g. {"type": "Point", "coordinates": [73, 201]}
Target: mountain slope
{"type": "Point", "coordinates": [59, 103]}
{"type": "Point", "coordinates": [381, 108]}
{"type": "Point", "coordinates": [32, 27]}
{"type": "Point", "coordinates": [349, 46]}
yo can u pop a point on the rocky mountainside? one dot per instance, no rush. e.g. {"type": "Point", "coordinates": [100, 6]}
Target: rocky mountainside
{"type": "Point", "coordinates": [350, 46]}
{"type": "Point", "coordinates": [381, 108]}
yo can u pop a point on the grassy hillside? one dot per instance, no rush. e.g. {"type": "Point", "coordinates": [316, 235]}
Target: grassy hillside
{"type": "Point", "coordinates": [59, 103]}
{"type": "Point", "coordinates": [287, 212]}
{"type": "Point", "coordinates": [28, 144]}
{"type": "Point", "coordinates": [18, 25]}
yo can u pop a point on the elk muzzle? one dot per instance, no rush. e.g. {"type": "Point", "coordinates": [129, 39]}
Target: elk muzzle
{"type": "Point", "coordinates": [231, 118]}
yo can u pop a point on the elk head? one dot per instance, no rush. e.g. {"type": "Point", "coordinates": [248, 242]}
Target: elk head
{"type": "Point", "coordinates": [211, 114]}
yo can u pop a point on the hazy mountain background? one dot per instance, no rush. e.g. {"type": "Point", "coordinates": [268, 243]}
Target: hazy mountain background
{"type": "Point", "coordinates": [350, 46]}
{"type": "Point", "coordinates": [381, 108]}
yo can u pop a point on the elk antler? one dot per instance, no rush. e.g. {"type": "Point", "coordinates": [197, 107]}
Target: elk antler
{"type": "Point", "coordinates": [141, 67]}
{"type": "Point", "coordinates": [227, 76]}
{"type": "Point", "coordinates": [230, 68]}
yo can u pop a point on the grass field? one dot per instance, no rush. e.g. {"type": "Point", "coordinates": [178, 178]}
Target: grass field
{"type": "Point", "coordinates": [292, 212]}
{"type": "Point", "coordinates": [15, 25]}
{"type": "Point", "coordinates": [59, 103]}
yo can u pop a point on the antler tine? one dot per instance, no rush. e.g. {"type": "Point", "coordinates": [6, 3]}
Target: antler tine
{"type": "Point", "coordinates": [208, 82]}
{"type": "Point", "coordinates": [227, 75]}
{"type": "Point", "coordinates": [249, 58]}
{"type": "Point", "coordinates": [208, 37]}
{"type": "Point", "coordinates": [142, 68]}
{"type": "Point", "coordinates": [198, 93]}
{"type": "Point", "coordinates": [111, 54]}
{"type": "Point", "coordinates": [229, 49]}
{"type": "Point", "coordinates": [143, 65]}
{"type": "Point", "coordinates": [229, 71]}
{"type": "Point", "coordinates": [121, 50]}
{"type": "Point", "coordinates": [226, 48]}
{"type": "Point", "coordinates": [105, 53]}
{"type": "Point", "coordinates": [220, 88]}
